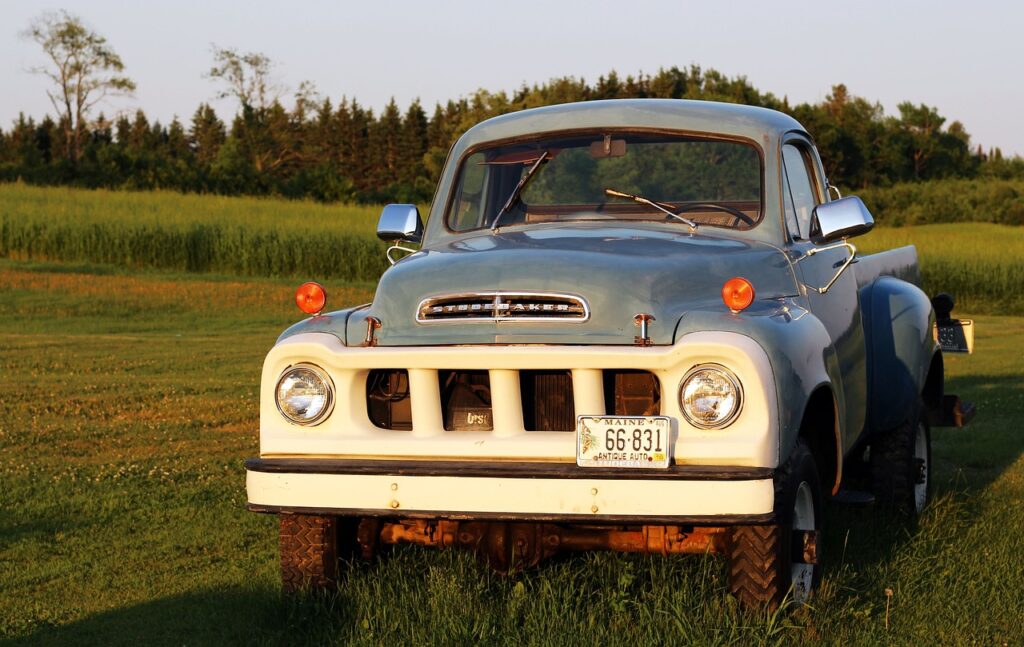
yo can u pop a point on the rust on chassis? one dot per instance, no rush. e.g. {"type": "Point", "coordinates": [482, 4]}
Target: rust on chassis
{"type": "Point", "coordinates": [512, 546]}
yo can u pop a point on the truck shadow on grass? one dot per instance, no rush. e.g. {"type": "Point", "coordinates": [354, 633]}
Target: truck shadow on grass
{"type": "Point", "coordinates": [965, 462]}
{"type": "Point", "coordinates": [211, 617]}
{"type": "Point", "coordinates": [214, 617]}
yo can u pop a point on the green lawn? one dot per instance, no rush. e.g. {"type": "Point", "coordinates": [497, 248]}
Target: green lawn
{"type": "Point", "coordinates": [128, 403]}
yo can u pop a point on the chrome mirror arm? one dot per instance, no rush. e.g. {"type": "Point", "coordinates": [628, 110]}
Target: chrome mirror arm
{"type": "Point", "coordinates": [398, 248]}
{"type": "Point", "coordinates": [817, 250]}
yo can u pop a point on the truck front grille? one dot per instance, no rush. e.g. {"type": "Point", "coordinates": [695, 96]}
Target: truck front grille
{"type": "Point", "coordinates": [466, 400]}
{"type": "Point", "coordinates": [632, 393]}
{"type": "Point", "coordinates": [545, 398]}
{"type": "Point", "coordinates": [387, 399]}
{"type": "Point", "coordinates": [503, 306]}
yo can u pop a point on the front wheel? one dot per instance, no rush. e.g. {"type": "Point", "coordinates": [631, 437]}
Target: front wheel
{"type": "Point", "coordinates": [770, 561]}
{"type": "Point", "coordinates": [313, 549]}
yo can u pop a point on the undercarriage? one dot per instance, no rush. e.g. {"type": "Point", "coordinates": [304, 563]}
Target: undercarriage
{"type": "Point", "coordinates": [511, 546]}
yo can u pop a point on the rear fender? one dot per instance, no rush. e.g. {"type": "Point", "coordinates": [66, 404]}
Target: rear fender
{"type": "Point", "coordinates": [898, 322]}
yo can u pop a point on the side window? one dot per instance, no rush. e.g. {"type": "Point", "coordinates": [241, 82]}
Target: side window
{"type": "Point", "coordinates": [468, 207]}
{"type": "Point", "coordinates": [801, 198]}
{"type": "Point", "coordinates": [787, 199]}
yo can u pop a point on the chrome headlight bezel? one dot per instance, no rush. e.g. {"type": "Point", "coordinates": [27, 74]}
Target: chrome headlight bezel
{"type": "Point", "coordinates": [729, 377]}
{"type": "Point", "coordinates": [321, 375]}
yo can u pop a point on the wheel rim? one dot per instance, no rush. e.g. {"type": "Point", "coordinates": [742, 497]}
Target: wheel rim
{"type": "Point", "coordinates": [921, 467]}
{"type": "Point", "coordinates": [802, 575]}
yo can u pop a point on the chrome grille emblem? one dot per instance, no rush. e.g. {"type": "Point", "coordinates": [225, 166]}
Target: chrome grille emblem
{"type": "Point", "coordinates": [486, 307]}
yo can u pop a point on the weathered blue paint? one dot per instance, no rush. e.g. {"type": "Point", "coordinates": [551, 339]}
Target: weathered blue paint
{"type": "Point", "coordinates": [898, 324]}
{"type": "Point", "coordinates": [661, 269]}
{"type": "Point", "coordinates": [333, 323]}
{"type": "Point", "coordinates": [798, 348]}
{"type": "Point", "coordinates": [621, 271]}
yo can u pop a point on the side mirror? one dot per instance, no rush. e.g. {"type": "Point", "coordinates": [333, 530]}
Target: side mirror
{"type": "Point", "coordinates": [831, 225]}
{"type": "Point", "coordinates": [400, 223]}
{"type": "Point", "coordinates": [839, 220]}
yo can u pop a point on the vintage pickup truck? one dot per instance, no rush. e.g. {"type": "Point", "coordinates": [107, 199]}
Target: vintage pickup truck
{"type": "Point", "coordinates": [632, 325]}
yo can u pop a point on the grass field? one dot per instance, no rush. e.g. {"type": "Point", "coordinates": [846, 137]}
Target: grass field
{"type": "Point", "coordinates": [978, 262]}
{"type": "Point", "coordinates": [190, 233]}
{"type": "Point", "coordinates": [129, 401]}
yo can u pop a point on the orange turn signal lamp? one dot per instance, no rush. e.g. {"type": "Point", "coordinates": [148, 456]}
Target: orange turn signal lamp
{"type": "Point", "coordinates": [310, 297]}
{"type": "Point", "coordinates": [738, 294]}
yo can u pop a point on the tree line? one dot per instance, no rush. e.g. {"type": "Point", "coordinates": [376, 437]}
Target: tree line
{"type": "Point", "coordinates": [344, 151]}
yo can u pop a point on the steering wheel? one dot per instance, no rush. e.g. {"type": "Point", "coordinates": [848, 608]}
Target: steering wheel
{"type": "Point", "coordinates": [712, 206]}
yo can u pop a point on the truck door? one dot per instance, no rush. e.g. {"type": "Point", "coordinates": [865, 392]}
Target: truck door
{"type": "Point", "coordinates": [803, 188]}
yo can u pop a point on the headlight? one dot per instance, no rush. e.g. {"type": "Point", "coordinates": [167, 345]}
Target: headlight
{"type": "Point", "coordinates": [304, 394]}
{"type": "Point", "coordinates": [710, 396]}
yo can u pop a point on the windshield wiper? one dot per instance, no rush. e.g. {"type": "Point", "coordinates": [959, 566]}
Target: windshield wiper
{"type": "Point", "coordinates": [514, 197]}
{"type": "Point", "coordinates": [659, 207]}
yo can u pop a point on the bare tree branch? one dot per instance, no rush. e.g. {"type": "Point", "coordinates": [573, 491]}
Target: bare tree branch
{"type": "Point", "coordinates": [82, 65]}
{"type": "Point", "coordinates": [246, 77]}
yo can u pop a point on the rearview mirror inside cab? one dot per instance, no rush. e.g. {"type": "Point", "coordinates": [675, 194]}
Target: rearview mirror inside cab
{"type": "Point", "coordinates": [608, 148]}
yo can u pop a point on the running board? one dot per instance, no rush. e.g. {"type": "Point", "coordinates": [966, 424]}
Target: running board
{"type": "Point", "coordinates": [854, 498]}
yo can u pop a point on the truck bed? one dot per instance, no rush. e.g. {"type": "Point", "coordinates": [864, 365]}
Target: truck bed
{"type": "Point", "coordinates": [900, 263]}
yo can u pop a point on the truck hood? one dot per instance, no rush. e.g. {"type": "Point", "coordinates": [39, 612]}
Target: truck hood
{"type": "Point", "coordinates": [618, 271]}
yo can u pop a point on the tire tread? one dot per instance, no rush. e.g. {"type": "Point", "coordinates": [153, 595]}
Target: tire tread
{"type": "Point", "coordinates": [759, 573]}
{"type": "Point", "coordinates": [893, 470]}
{"type": "Point", "coordinates": [755, 565]}
{"type": "Point", "coordinates": [309, 552]}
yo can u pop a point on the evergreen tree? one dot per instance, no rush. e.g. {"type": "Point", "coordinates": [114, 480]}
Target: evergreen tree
{"type": "Point", "coordinates": [206, 135]}
{"type": "Point", "coordinates": [412, 144]}
{"type": "Point", "coordinates": [345, 152]}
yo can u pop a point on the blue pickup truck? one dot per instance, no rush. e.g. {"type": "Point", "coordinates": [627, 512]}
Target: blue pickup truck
{"type": "Point", "coordinates": [634, 325]}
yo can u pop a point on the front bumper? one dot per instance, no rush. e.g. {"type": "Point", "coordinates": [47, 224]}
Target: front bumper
{"type": "Point", "coordinates": [532, 491]}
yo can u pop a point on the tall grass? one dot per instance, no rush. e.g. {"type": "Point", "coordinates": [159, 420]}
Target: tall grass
{"type": "Point", "coordinates": [980, 264]}
{"type": "Point", "coordinates": [190, 233]}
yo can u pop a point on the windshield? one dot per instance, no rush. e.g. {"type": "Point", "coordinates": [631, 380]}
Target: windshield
{"type": "Point", "coordinates": [600, 176]}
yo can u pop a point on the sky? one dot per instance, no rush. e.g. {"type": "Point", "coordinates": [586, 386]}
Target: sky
{"type": "Point", "coordinates": [964, 58]}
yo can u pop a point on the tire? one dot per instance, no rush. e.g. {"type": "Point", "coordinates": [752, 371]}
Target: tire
{"type": "Point", "coordinates": [769, 562]}
{"type": "Point", "coordinates": [901, 464]}
{"type": "Point", "coordinates": [309, 552]}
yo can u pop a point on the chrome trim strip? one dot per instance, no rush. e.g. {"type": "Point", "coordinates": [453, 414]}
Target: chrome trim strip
{"type": "Point", "coordinates": [496, 299]}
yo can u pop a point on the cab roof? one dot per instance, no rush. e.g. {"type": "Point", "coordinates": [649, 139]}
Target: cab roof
{"type": "Point", "coordinates": [758, 124]}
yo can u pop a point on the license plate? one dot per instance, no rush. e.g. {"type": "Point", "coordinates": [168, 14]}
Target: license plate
{"type": "Point", "coordinates": [955, 335]}
{"type": "Point", "coordinates": [623, 441]}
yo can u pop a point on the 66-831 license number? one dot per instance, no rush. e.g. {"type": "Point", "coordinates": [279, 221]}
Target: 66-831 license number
{"type": "Point", "coordinates": [623, 441]}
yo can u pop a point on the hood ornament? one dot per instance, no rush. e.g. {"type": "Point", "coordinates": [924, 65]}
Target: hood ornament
{"type": "Point", "coordinates": [373, 324]}
{"type": "Point", "coordinates": [643, 321]}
